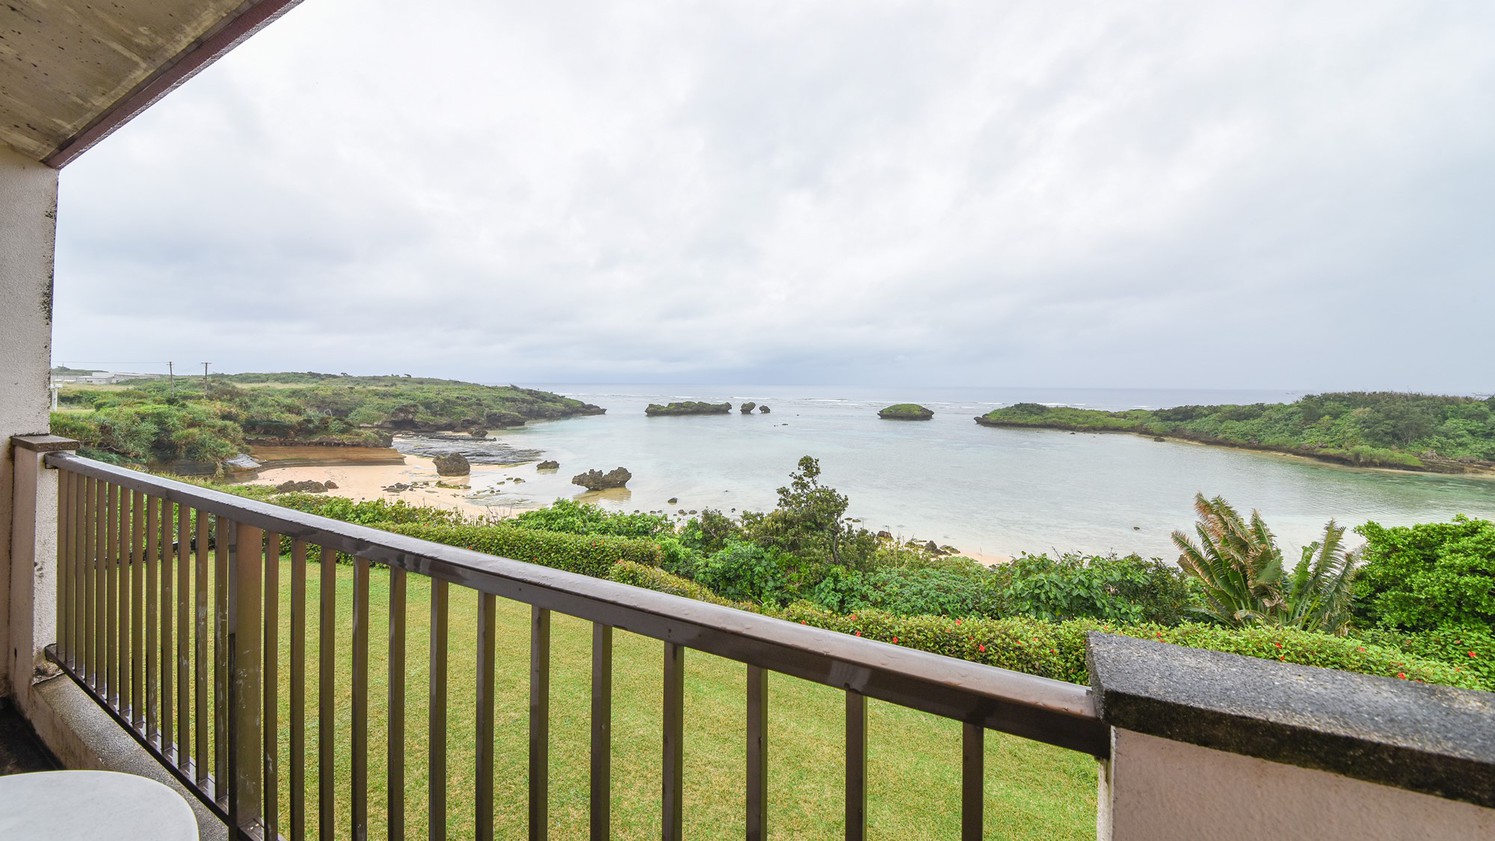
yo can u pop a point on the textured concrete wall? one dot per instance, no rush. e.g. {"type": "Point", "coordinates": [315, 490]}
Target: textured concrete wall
{"type": "Point", "coordinates": [1160, 790]}
{"type": "Point", "coordinates": [28, 228]}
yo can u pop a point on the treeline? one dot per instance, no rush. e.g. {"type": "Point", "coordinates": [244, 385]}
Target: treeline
{"type": "Point", "coordinates": [1371, 429]}
{"type": "Point", "coordinates": [160, 421]}
{"type": "Point", "coordinates": [1418, 606]}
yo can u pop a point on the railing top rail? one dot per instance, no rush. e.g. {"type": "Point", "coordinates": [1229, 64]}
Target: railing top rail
{"type": "Point", "coordinates": [1038, 708]}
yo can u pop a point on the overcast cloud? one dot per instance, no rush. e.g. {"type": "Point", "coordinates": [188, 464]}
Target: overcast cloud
{"type": "Point", "coordinates": [1274, 194]}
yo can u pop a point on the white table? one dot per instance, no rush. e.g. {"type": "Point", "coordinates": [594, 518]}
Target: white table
{"type": "Point", "coordinates": [57, 805]}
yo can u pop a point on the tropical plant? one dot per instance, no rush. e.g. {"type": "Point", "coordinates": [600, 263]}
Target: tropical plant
{"type": "Point", "coordinates": [1237, 564]}
{"type": "Point", "coordinates": [1238, 568]}
{"type": "Point", "coordinates": [1318, 594]}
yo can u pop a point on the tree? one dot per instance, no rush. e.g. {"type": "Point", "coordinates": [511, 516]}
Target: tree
{"type": "Point", "coordinates": [810, 522]}
{"type": "Point", "coordinates": [1239, 570]}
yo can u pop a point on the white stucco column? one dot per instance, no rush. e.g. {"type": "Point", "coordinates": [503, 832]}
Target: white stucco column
{"type": "Point", "coordinates": [28, 233]}
{"type": "Point", "coordinates": [1164, 790]}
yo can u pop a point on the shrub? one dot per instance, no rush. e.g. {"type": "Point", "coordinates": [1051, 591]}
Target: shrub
{"type": "Point", "coordinates": [1466, 649]}
{"type": "Point", "coordinates": [653, 578]}
{"type": "Point", "coordinates": [366, 512]}
{"type": "Point", "coordinates": [1428, 576]}
{"type": "Point", "coordinates": [745, 572]}
{"type": "Point", "coordinates": [588, 555]}
{"type": "Point", "coordinates": [565, 515]}
{"type": "Point", "coordinates": [1115, 589]}
{"type": "Point", "coordinates": [926, 591]}
{"type": "Point", "coordinates": [711, 531]}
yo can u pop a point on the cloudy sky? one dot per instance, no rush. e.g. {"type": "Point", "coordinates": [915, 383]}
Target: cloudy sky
{"type": "Point", "coordinates": [1271, 194]}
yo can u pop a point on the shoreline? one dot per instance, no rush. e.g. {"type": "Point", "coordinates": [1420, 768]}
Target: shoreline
{"type": "Point", "coordinates": [1472, 471]}
{"type": "Point", "coordinates": [364, 479]}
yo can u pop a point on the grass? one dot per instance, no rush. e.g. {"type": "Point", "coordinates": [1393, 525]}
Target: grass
{"type": "Point", "coordinates": [1032, 790]}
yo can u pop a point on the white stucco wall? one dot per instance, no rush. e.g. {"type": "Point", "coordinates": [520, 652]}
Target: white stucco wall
{"type": "Point", "coordinates": [1161, 790]}
{"type": "Point", "coordinates": [28, 228]}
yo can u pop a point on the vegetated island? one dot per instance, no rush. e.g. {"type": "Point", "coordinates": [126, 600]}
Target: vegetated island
{"type": "Point", "coordinates": [192, 421]}
{"type": "Point", "coordinates": [688, 407]}
{"type": "Point", "coordinates": [905, 411]}
{"type": "Point", "coordinates": [1362, 429]}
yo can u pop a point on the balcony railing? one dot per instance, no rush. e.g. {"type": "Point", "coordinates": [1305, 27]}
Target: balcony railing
{"type": "Point", "coordinates": [169, 616]}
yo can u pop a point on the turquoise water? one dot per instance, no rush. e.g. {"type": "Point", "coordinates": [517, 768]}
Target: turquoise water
{"type": "Point", "coordinates": [986, 491]}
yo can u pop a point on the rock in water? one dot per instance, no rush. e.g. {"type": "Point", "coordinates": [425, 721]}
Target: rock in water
{"type": "Point", "coordinates": [452, 464]}
{"type": "Point", "coordinates": [308, 487]}
{"type": "Point", "coordinates": [763, 410]}
{"type": "Point", "coordinates": [596, 480]}
{"type": "Point", "coordinates": [688, 407]}
{"type": "Point", "coordinates": [548, 464]}
{"type": "Point", "coordinates": [905, 411]}
{"type": "Point", "coordinates": [748, 407]}
{"type": "Point", "coordinates": [241, 463]}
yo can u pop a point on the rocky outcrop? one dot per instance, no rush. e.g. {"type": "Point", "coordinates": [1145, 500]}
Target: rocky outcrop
{"type": "Point", "coordinates": [307, 487]}
{"type": "Point", "coordinates": [596, 480]}
{"type": "Point", "coordinates": [241, 463]}
{"type": "Point", "coordinates": [905, 411]}
{"type": "Point", "coordinates": [763, 410]}
{"type": "Point", "coordinates": [748, 407]}
{"type": "Point", "coordinates": [688, 407]}
{"type": "Point", "coordinates": [452, 464]}
{"type": "Point", "coordinates": [548, 464]}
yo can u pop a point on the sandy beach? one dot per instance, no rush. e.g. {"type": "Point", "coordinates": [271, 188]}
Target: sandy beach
{"type": "Point", "coordinates": [369, 481]}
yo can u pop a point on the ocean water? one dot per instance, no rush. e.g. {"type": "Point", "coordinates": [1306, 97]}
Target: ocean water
{"type": "Point", "coordinates": [985, 491]}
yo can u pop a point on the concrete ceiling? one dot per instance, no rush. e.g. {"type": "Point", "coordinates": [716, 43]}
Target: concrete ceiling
{"type": "Point", "coordinates": [71, 71]}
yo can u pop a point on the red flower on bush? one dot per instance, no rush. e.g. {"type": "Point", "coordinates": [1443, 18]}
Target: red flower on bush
{"type": "Point", "coordinates": [1278, 644]}
{"type": "Point", "coordinates": [1402, 675]}
{"type": "Point", "coordinates": [957, 621]}
{"type": "Point", "coordinates": [981, 648]}
{"type": "Point", "coordinates": [895, 640]}
{"type": "Point", "coordinates": [858, 633]}
{"type": "Point", "coordinates": [1471, 654]}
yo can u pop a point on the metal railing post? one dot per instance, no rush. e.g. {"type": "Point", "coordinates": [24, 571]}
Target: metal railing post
{"type": "Point", "coordinates": [245, 661]}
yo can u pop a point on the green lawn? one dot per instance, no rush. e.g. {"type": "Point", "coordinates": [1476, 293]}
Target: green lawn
{"type": "Point", "coordinates": [1033, 790]}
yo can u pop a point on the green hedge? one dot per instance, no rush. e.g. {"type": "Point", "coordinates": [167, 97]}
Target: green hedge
{"type": "Point", "coordinates": [588, 555]}
{"type": "Point", "coordinates": [1057, 649]}
{"type": "Point", "coordinates": [1465, 649]}
{"type": "Point", "coordinates": [654, 578]}
{"type": "Point", "coordinates": [376, 513]}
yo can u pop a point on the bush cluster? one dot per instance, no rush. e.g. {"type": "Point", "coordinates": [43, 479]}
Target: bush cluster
{"type": "Point", "coordinates": [1057, 649]}
{"type": "Point", "coordinates": [586, 554]}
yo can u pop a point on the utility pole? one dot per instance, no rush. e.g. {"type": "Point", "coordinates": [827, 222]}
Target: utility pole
{"type": "Point", "coordinates": [170, 380]}
{"type": "Point", "coordinates": [205, 379]}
